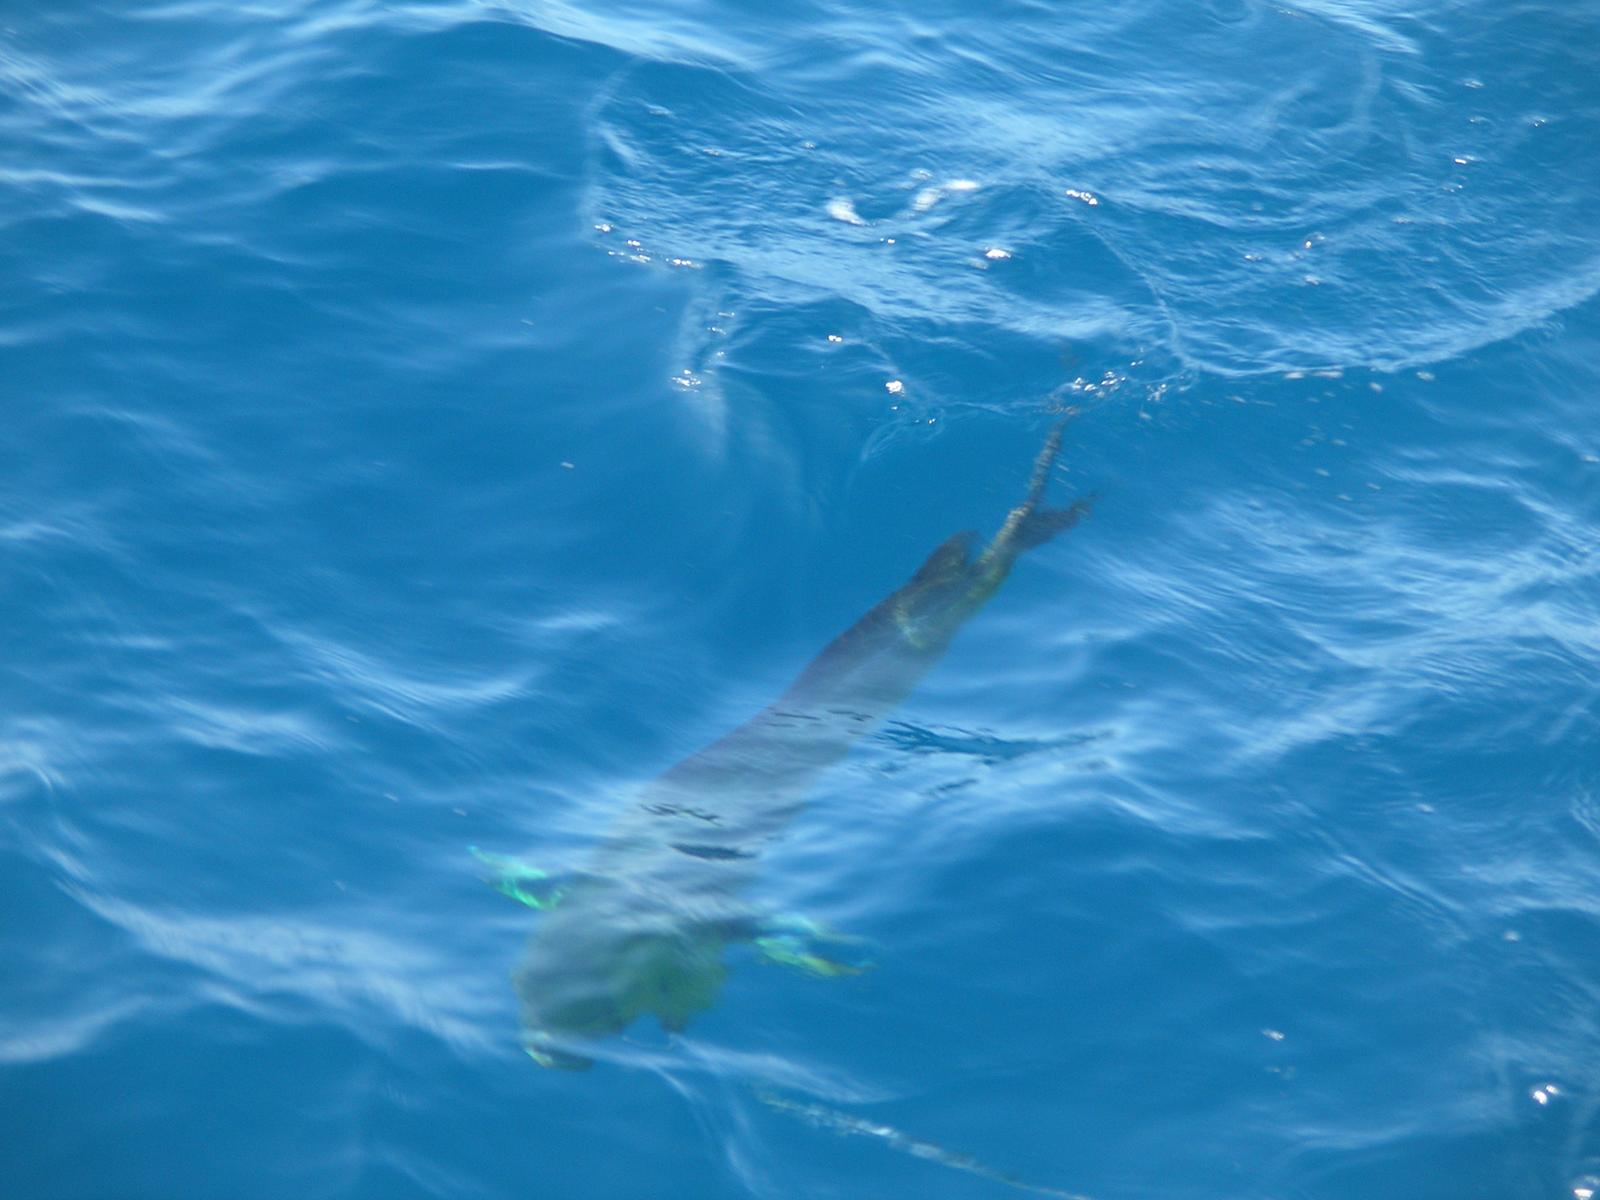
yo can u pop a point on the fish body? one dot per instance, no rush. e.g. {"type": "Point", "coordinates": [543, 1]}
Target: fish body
{"type": "Point", "coordinates": [644, 928]}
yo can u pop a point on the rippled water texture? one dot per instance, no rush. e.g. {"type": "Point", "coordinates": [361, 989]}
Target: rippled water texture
{"type": "Point", "coordinates": [425, 423]}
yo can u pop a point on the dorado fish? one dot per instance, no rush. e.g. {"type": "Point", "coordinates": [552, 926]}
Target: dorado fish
{"type": "Point", "coordinates": [644, 927]}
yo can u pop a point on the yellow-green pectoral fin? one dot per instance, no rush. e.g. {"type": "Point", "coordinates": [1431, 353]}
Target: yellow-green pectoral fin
{"type": "Point", "coordinates": [798, 942]}
{"type": "Point", "coordinates": [788, 951]}
{"type": "Point", "coordinates": [523, 883]}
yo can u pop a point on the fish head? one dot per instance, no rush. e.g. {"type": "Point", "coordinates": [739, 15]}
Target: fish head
{"type": "Point", "coordinates": [584, 981]}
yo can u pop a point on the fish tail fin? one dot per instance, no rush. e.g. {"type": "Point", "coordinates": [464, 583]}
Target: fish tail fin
{"type": "Point", "coordinates": [1045, 459]}
{"type": "Point", "coordinates": [1033, 523]}
{"type": "Point", "coordinates": [1043, 522]}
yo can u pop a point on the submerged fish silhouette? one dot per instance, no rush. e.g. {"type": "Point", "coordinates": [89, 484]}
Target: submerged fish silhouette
{"type": "Point", "coordinates": [643, 928]}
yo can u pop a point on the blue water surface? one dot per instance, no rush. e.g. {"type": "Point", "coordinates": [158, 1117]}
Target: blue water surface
{"type": "Point", "coordinates": [426, 422]}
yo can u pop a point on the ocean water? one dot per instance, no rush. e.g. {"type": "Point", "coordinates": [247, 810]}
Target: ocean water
{"type": "Point", "coordinates": [424, 423]}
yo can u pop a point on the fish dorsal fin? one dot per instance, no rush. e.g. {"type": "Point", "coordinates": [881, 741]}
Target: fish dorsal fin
{"type": "Point", "coordinates": [951, 556]}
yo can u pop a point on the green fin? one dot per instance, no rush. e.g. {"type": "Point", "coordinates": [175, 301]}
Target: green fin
{"type": "Point", "coordinates": [523, 883]}
{"type": "Point", "coordinates": [794, 941]}
{"type": "Point", "coordinates": [791, 952]}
